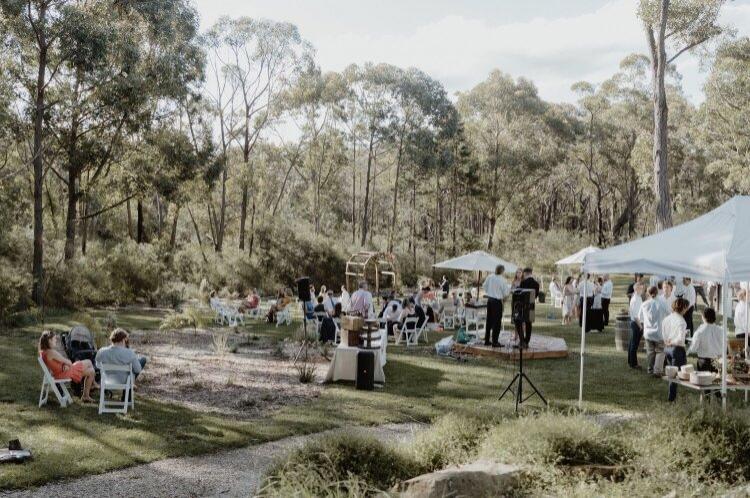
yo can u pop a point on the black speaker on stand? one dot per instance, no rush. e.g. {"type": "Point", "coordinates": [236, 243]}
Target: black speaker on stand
{"type": "Point", "coordinates": [522, 312]}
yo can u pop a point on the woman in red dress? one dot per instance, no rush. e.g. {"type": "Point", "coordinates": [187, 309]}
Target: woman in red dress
{"type": "Point", "coordinates": [62, 368]}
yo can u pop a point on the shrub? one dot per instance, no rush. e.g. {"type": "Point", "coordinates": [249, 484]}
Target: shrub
{"type": "Point", "coordinates": [342, 464]}
{"type": "Point", "coordinates": [15, 288]}
{"type": "Point", "coordinates": [452, 439]}
{"type": "Point", "coordinates": [190, 317]}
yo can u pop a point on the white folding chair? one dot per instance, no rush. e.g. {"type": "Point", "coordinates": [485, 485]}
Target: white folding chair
{"type": "Point", "coordinates": [449, 316]}
{"type": "Point", "coordinates": [57, 386]}
{"type": "Point", "coordinates": [407, 331]}
{"type": "Point", "coordinates": [110, 382]}
{"type": "Point", "coordinates": [284, 317]}
{"type": "Point", "coordinates": [478, 319]}
{"type": "Point", "coordinates": [420, 332]}
{"type": "Point", "coordinates": [337, 322]}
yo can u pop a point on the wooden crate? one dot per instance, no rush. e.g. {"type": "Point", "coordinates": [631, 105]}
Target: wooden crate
{"type": "Point", "coordinates": [354, 323]}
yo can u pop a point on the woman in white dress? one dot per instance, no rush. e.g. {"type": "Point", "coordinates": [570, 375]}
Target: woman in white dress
{"type": "Point", "coordinates": [568, 303]}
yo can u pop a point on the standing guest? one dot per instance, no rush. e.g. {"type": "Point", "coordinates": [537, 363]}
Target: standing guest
{"type": "Point", "coordinates": [636, 278]}
{"type": "Point", "coordinates": [523, 329]}
{"type": "Point", "coordinates": [674, 330]}
{"type": "Point", "coordinates": [329, 303]}
{"type": "Point", "coordinates": [346, 299]}
{"type": "Point", "coordinates": [444, 285]}
{"type": "Point", "coordinates": [707, 342]}
{"type": "Point", "coordinates": [667, 295]}
{"type": "Point", "coordinates": [62, 368]}
{"type": "Point", "coordinates": [740, 314]}
{"type": "Point", "coordinates": [607, 288]}
{"type": "Point", "coordinates": [636, 328]}
{"type": "Point", "coordinates": [554, 288]}
{"type": "Point", "coordinates": [650, 316]}
{"type": "Point", "coordinates": [119, 353]}
{"type": "Point", "coordinates": [568, 303]}
{"type": "Point", "coordinates": [586, 294]}
{"type": "Point", "coordinates": [323, 291]}
{"type": "Point", "coordinates": [517, 279]}
{"type": "Point", "coordinates": [689, 294]}
{"type": "Point", "coordinates": [700, 291]}
{"type": "Point", "coordinates": [711, 289]}
{"type": "Point", "coordinates": [496, 289]}
{"type": "Point", "coordinates": [595, 316]}
{"type": "Point", "coordinates": [361, 301]}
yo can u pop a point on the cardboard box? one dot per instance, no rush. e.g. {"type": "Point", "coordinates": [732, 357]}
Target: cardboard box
{"type": "Point", "coordinates": [354, 323]}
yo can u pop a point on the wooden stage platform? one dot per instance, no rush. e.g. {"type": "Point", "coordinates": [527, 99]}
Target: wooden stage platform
{"type": "Point", "coordinates": [542, 347]}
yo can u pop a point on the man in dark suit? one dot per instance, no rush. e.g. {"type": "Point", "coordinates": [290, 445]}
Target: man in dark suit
{"type": "Point", "coordinates": [523, 329]}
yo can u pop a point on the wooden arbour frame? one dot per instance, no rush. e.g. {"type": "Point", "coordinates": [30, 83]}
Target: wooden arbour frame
{"type": "Point", "coordinates": [377, 268]}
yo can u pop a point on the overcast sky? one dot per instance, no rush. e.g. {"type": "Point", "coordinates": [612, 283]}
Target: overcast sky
{"type": "Point", "coordinates": [553, 42]}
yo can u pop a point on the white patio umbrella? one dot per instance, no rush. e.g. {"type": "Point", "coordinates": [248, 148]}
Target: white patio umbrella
{"type": "Point", "coordinates": [715, 246]}
{"type": "Point", "coordinates": [477, 261]}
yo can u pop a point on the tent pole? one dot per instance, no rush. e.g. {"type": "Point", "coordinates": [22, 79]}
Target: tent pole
{"type": "Point", "coordinates": [583, 344]}
{"type": "Point", "coordinates": [724, 345]}
{"type": "Point", "coordinates": [747, 323]}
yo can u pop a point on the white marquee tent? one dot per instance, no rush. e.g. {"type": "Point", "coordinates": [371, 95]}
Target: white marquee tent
{"type": "Point", "coordinates": [715, 246]}
{"type": "Point", "coordinates": [476, 261]}
{"type": "Point", "coordinates": [577, 258]}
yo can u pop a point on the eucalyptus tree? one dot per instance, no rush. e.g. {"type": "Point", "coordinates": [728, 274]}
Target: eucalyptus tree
{"type": "Point", "coordinates": [682, 25]}
{"type": "Point", "coordinates": [726, 116]}
{"type": "Point", "coordinates": [505, 122]}
{"type": "Point", "coordinates": [262, 58]}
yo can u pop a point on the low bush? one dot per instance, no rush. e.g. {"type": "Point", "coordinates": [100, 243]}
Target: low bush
{"type": "Point", "coordinates": [340, 465]}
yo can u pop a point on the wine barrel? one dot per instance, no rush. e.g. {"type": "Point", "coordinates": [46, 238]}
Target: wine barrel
{"type": "Point", "coordinates": [622, 332]}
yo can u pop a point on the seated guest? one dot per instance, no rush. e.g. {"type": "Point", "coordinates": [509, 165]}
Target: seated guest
{"type": "Point", "coordinates": [408, 310]}
{"type": "Point", "coordinates": [281, 303]}
{"type": "Point", "coordinates": [323, 291]}
{"type": "Point", "coordinates": [740, 314]}
{"type": "Point", "coordinates": [62, 368]}
{"type": "Point", "coordinates": [251, 302]}
{"type": "Point", "coordinates": [392, 315]}
{"type": "Point", "coordinates": [345, 299]}
{"type": "Point", "coordinates": [119, 353]}
{"type": "Point", "coordinates": [319, 307]}
{"type": "Point", "coordinates": [420, 314]}
{"type": "Point", "coordinates": [707, 342]}
{"type": "Point", "coordinates": [337, 310]}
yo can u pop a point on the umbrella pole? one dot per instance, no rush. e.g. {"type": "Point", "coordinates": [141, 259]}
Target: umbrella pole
{"type": "Point", "coordinates": [583, 346]}
{"type": "Point", "coordinates": [724, 346]}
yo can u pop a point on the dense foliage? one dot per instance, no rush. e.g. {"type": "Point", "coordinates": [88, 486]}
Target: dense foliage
{"type": "Point", "coordinates": [139, 157]}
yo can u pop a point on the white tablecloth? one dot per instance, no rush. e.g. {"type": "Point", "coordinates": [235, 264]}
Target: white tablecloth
{"type": "Point", "coordinates": [344, 365]}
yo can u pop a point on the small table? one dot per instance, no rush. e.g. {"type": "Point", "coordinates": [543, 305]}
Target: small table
{"type": "Point", "coordinates": [344, 365]}
{"type": "Point", "coordinates": [709, 389]}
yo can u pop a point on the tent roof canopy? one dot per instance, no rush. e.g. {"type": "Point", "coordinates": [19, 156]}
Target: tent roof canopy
{"type": "Point", "coordinates": [714, 246]}
{"type": "Point", "coordinates": [476, 261]}
{"type": "Point", "coordinates": [577, 258]}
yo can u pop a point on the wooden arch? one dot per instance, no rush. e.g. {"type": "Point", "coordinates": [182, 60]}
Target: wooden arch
{"type": "Point", "coordinates": [377, 268]}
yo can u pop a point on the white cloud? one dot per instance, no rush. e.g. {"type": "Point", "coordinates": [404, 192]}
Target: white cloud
{"type": "Point", "coordinates": [460, 50]}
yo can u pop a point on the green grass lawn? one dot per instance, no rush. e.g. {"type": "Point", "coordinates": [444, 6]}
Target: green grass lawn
{"type": "Point", "coordinates": [420, 386]}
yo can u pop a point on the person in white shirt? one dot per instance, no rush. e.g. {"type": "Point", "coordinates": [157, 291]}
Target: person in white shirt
{"type": "Point", "coordinates": [674, 330]}
{"type": "Point", "coordinates": [588, 292]}
{"type": "Point", "coordinates": [328, 303]}
{"type": "Point", "coordinates": [361, 301]}
{"type": "Point", "coordinates": [496, 289]}
{"type": "Point", "coordinates": [707, 342]}
{"type": "Point", "coordinates": [636, 328]}
{"type": "Point", "coordinates": [607, 288]}
{"type": "Point", "coordinates": [667, 296]}
{"type": "Point", "coordinates": [740, 314]}
{"type": "Point", "coordinates": [345, 299]}
{"type": "Point", "coordinates": [650, 315]}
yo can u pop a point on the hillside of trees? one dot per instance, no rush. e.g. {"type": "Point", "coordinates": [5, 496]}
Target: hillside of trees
{"type": "Point", "coordinates": [140, 156]}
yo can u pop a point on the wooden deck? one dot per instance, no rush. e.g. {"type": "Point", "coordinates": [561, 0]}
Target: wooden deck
{"type": "Point", "coordinates": [542, 347]}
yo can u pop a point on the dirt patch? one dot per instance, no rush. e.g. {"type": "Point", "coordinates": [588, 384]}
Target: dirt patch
{"type": "Point", "coordinates": [243, 377]}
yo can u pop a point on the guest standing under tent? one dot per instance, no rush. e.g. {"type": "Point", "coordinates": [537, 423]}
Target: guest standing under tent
{"type": "Point", "coordinates": [674, 330]}
{"type": "Point", "coordinates": [651, 314]}
{"type": "Point", "coordinates": [740, 315]}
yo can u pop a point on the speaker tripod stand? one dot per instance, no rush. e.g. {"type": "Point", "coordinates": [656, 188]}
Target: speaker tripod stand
{"type": "Point", "coordinates": [519, 378]}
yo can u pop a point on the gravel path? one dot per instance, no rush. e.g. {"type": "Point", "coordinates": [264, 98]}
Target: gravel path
{"type": "Point", "coordinates": [229, 473]}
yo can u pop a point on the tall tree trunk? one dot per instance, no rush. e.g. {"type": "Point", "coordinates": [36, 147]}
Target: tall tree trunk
{"type": "Point", "coordinates": [252, 228]}
{"type": "Point", "coordinates": [659, 64]}
{"type": "Point", "coordinates": [222, 209]}
{"type": "Point", "coordinates": [130, 219]}
{"type": "Point", "coordinates": [197, 234]}
{"type": "Point", "coordinates": [173, 235]}
{"type": "Point", "coordinates": [243, 216]}
{"type": "Point", "coordinates": [70, 219]}
{"type": "Point", "coordinates": [354, 188]}
{"type": "Point", "coordinates": [141, 234]}
{"type": "Point", "coordinates": [37, 293]}
{"type": "Point", "coordinates": [394, 213]}
{"type": "Point", "coordinates": [367, 191]}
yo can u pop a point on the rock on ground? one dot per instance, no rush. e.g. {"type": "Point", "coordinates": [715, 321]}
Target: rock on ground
{"type": "Point", "coordinates": [480, 478]}
{"type": "Point", "coordinates": [227, 474]}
